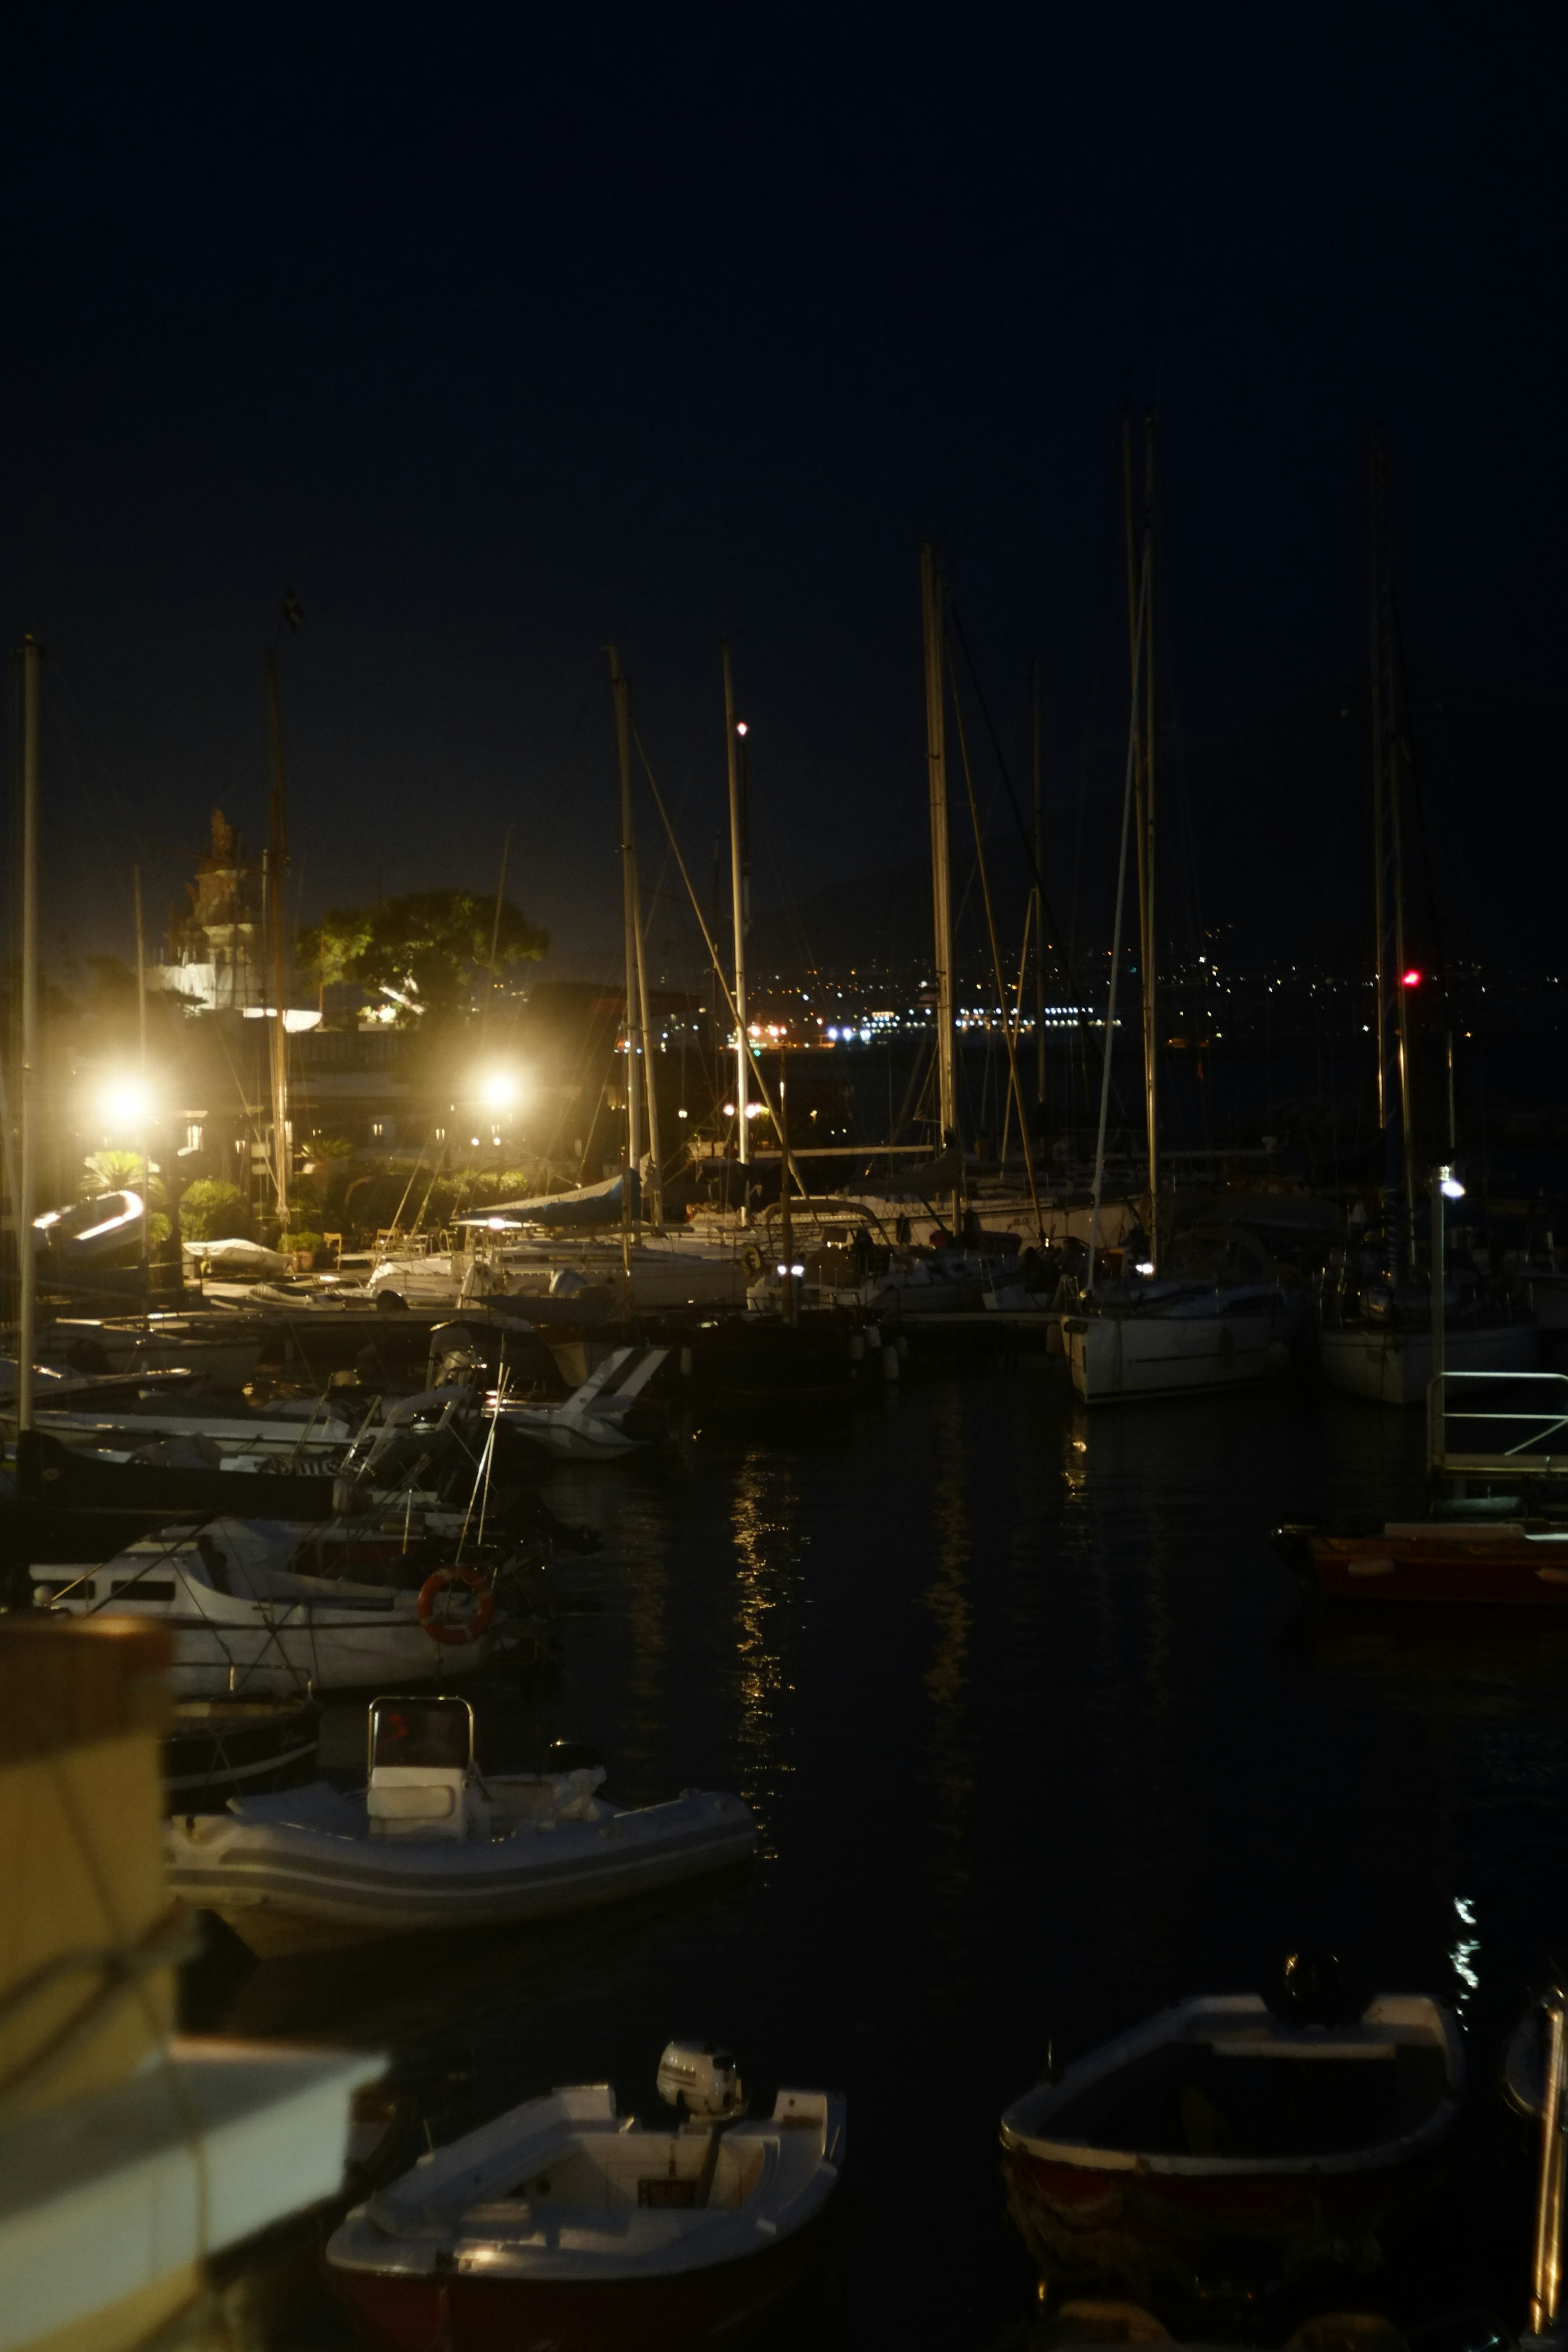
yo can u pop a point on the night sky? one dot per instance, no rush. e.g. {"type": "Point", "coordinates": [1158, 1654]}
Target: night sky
{"type": "Point", "coordinates": [494, 333]}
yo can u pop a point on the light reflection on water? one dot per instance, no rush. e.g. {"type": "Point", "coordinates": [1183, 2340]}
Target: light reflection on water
{"type": "Point", "coordinates": [770, 1599]}
{"type": "Point", "coordinates": [1039, 1742]}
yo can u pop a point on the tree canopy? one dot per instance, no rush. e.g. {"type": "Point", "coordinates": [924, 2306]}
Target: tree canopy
{"type": "Point", "coordinates": [425, 949]}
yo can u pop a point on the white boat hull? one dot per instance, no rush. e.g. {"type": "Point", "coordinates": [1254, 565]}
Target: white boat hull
{"type": "Point", "coordinates": [227, 1645]}
{"type": "Point", "coordinates": [566, 2225]}
{"type": "Point", "coordinates": [1114, 1356]}
{"type": "Point", "coordinates": [1394, 1366]}
{"type": "Point", "coordinates": [590, 1439]}
{"type": "Point", "coordinates": [286, 1886]}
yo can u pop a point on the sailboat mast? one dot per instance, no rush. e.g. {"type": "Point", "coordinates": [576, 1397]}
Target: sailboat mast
{"type": "Point", "coordinates": [1394, 1074]}
{"type": "Point", "coordinates": [141, 1073]}
{"type": "Point", "coordinates": [1147, 867]}
{"type": "Point", "coordinates": [629, 909]}
{"type": "Point", "coordinates": [26, 1236]}
{"type": "Point", "coordinates": [1039, 776]}
{"type": "Point", "coordinates": [738, 893]}
{"type": "Point", "coordinates": [277, 871]}
{"type": "Point", "coordinates": [936, 762]}
{"type": "Point", "coordinates": [651, 1080]}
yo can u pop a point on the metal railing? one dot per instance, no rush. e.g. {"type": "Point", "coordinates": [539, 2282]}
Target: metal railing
{"type": "Point", "coordinates": [1525, 1412]}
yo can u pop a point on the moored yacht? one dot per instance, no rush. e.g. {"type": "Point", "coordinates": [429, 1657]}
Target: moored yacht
{"type": "Point", "coordinates": [260, 1609]}
{"type": "Point", "coordinates": [1142, 1338]}
{"type": "Point", "coordinates": [1385, 1352]}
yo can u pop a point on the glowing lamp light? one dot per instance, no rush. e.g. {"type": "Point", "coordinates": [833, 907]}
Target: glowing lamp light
{"type": "Point", "coordinates": [1409, 979]}
{"type": "Point", "coordinates": [126, 1105]}
{"type": "Point", "coordinates": [1144, 1266]}
{"type": "Point", "coordinates": [1451, 1186]}
{"type": "Point", "coordinates": [741, 728]}
{"type": "Point", "coordinates": [729, 1110]}
{"type": "Point", "coordinates": [498, 1090]}
{"type": "Point", "coordinates": [753, 1111]}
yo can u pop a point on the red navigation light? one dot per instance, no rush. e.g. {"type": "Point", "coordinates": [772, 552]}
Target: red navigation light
{"type": "Point", "coordinates": [1410, 979]}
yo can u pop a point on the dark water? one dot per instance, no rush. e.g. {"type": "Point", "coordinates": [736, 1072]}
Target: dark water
{"type": "Point", "coordinates": [1039, 1742]}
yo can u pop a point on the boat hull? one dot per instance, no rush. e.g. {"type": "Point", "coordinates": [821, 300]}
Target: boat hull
{"type": "Point", "coordinates": [1490, 1568]}
{"type": "Point", "coordinates": [228, 1647]}
{"type": "Point", "coordinates": [212, 1752]}
{"type": "Point", "coordinates": [1118, 1357]}
{"type": "Point", "coordinates": [1151, 2230]}
{"type": "Point", "coordinates": [283, 1889]}
{"type": "Point", "coordinates": [640, 2314]}
{"type": "Point", "coordinates": [1390, 1365]}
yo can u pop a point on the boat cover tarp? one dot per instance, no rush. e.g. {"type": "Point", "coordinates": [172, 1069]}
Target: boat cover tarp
{"type": "Point", "coordinates": [590, 1204]}
{"type": "Point", "coordinates": [926, 1179]}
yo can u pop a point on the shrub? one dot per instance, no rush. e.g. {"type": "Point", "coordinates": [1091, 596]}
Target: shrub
{"type": "Point", "coordinates": [211, 1210]}
{"type": "Point", "coordinates": [116, 1172]}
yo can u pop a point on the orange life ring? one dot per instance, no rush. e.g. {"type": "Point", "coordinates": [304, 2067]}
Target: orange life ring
{"type": "Point", "coordinates": [441, 1629]}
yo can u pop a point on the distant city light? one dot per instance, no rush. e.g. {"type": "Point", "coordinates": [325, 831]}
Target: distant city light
{"type": "Point", "coordinates": [1410, 979]}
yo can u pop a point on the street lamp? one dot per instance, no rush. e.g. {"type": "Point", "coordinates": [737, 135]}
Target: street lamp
{"type": "Point", "coordinates": [126, 1105]}
{"type": "Point", "coordinates": [1446, 1186]}
{"type": "Point", "coordinates": [499, 1090]}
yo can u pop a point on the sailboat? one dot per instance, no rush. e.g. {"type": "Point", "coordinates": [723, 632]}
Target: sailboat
{"type": "Point", "coordinates": [1161, 1330]}
{"type": "Point", "coordinates": [1377, 1338]}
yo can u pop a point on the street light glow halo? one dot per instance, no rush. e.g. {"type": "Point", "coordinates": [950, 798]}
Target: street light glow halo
{"type": "Point", "coordinates": [126, 1105]}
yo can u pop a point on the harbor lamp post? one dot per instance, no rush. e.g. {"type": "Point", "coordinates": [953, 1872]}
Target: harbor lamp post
{"type": "Point", "coordinates": [128, 1107]}
{"type": "Point", "coordinates": [1446, 1186]}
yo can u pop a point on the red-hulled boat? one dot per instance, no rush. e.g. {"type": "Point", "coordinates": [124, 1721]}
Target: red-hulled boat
{"type": "Point", "coordinates": [1510, 1563]}
{"type": "Point", "coordinates": [564, 2226]}
{"type": "Point", "coordinates": [1220, 2139]}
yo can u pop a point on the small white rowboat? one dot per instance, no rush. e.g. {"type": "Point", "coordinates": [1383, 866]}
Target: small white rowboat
{"type": "Point", "coordinates": [564, 2224]}
{"type": "Point", "coordinates": [431, 1844]}
{"type": "Point", "coordinates": [1219, 2126]}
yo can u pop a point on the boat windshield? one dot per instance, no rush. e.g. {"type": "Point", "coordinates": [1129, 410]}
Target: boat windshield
{"type": "Point", "coordinates": [434, 1734]}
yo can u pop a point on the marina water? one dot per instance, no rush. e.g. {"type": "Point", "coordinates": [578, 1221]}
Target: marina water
{"type": "Point", "coordinates": [1040, 1738]}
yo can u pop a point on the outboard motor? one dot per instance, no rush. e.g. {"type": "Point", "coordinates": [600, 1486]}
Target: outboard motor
{"type": "Point", "coordinates": [702, 2078]}
{"type": "Point", "coordinates": [1313, 1990]}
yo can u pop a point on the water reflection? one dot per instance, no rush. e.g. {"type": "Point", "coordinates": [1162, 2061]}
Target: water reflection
{"type": "Point", "coordinates": [1040, 1738]}
{"type": "Point", "coordinates": [769, 1591]}
{"type": "Point", "coordinates": [947, 1599]}
{"type": "Point", "coordinates": [642, 1542]}
{"type": "Point", "coordinates": [1466, 1952]}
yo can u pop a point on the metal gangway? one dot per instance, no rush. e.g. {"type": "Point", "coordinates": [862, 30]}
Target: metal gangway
{"type": "Point", "coordinates": [1497, 1424]}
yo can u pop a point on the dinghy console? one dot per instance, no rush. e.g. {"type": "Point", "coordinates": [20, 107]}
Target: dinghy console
{"type": "Point", "coordinates": [422, 1780]}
